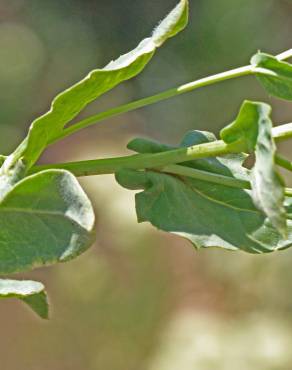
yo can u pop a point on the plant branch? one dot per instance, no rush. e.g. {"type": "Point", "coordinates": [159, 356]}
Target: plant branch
{"type": "Point", "coordinates": [143, 161]}
{"type": "Point", "coordinates": [282, 132]}
{"type": "Point", "coordinates": [238, 72]}
{"type": "Point", "coordinates": [212, 177]}
{"type": "Point", "coordinates": [285, 55]}
{"type": "Point", "coordinates": [206, 81]}
{"type": "Point", "coordinates": [283, 162]}
{"type": "Point", "coordinates": [172, 169]}
{"type": "Point", "coordinates": [164, 161]}
{"type": "Point", "coordinates": [206, 176]}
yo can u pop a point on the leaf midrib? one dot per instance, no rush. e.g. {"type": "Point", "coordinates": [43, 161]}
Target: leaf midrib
{"type": "Point", "coordinates": [33, 211]}
{"type": "Point", "coordinates": [227, 205]}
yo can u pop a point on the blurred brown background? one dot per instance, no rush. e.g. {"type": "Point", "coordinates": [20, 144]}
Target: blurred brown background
{"type": "Point", "coordinates": [141, 299]}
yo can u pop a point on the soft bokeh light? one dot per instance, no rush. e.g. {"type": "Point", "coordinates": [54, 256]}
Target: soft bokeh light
{"type": "Point", "coordinates": [22, 54]}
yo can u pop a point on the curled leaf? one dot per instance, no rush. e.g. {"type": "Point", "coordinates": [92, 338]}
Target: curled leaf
{"type": "Point", "coordinates": [72, 101]}
{"type": "Point", "coordinates": [31, 292]}
{"type": "Point", "coordinates": [253, 127]}
{"type": "Point", "coordinates": [174, 23]}
{"type": "Point", "coordinates": [279, 82]}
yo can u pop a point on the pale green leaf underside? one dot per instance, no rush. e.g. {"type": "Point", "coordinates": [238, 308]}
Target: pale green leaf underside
{"type": "Point", "coordinates": [31, 292]}
{"type": "Point", "coordinates": [46, 218]}
{"type": "Point", "coordinates": [279, 85]}
{"type": "Point", "coordinates": [207, 214]}
{"type": "Point", "coordinates": [253, 126]}
{"type": "Point", "coordinates": [71, 102]}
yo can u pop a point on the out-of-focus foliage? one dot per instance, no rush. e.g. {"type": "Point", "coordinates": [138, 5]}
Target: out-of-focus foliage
{"type": "Point", "coordinates": [119, 305]}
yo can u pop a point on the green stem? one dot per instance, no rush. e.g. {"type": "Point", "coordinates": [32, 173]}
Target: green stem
{"type": "Point", "coordinates": [143, 161]}
{"type": "Point", "coordinates": [238, 72]}
{"type": "Point", "coordinates": [212, 177]}
{"type": "Point", "coordinates": [164, 162]}
{"type": "Point", "coordinates": [206, 81]}
{"type": "Point", "coordinates": [285, 55]}
{"type": "Point", "coordinates": [283, 162]}
{"type": "Point", "coordinates": [172, 169]}
{"type": "Point", "coordinates": [282, 132]}
{"type": "Point", "coordinates": [206, 176]}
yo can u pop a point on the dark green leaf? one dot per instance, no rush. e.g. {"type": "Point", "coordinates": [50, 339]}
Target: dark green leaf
{"type": "Point", "coordinates": [208, 214]}
{"type": "Point", "coordinates": [279, 83]}
{"type": "Point", "coordinates": [253, 126]}
{"type": "Point", "coordinates": [31, 292]}
{"type": "Point", "coordinates": [46, 218]}
{"type": "Point", "coordinates": [71, 102]}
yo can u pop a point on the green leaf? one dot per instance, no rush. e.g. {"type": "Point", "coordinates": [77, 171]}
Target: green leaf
{"type": "Point", "coordinates": [172, 24]}
{"type": "Point", "coordinates": [2, 159]}
{"type": "Point", "coordinates": [279, 83]}
{"type": "Point", "coordinates": [208, 214]}
{"type": "Point", "coordinates": [10, 174]}
{"type": "Point", "coordinates": [71, 102]}
{"type": "Point", "coordinates": [31, 292]}
{"type": "Point", "coordinates": [253, 126]}
{"type": "Point", "coordinates": [46, 218]}
{"type": "Point", "coordinates": [245, 128]}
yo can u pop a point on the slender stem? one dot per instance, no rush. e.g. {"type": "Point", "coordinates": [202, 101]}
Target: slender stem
{"type": "Point", "coordinates": [212, 177]}
{"type": "Point", "coordinates": [164, 162]}
{"type": "Point", "coordinates": [238, 72]}
{"type": "Point", "coordinates": [285, 55]}
{"type": "Point", "coordinates": [206, 81]}
{"type": "Point", "coordinates": [282, 132]}
{"type": "Point", "coordinates": [206, 176]}
{"type": "Point", "coordinates": [283, 162]}
{"type": "Point", "coordinates": [172, 169]}
{"type": "Point", "coordinates": [143, 161]}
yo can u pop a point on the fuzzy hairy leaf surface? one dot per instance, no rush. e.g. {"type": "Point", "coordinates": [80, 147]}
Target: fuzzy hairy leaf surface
{"type": "Point", "coordinates": [254, 127]}
{"type": "Point", "coordinates": [72, 101]}
{"type": "Point", "coordinates": [31, 292]}
{"type": "Point", "coordinates": [279, 85]}
{"type": "Point", "coordinates": [46, 218]}
{"type": "Point", "coordinates": [208, 214]}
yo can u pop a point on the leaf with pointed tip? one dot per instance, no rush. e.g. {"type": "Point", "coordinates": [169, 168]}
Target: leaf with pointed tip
{"type": "Point", "coordinates": [46, 218]}
{"type": "Point", "coordinates": [172, 24]}
{"type": "Point", "coordinates": [253, 126]}
{"type": "Point", "coordinates": [208, 214]}
{"type": "Point", "coordinates": [72, 101]}
{"type": "Point", "coordinates": [279, 83]}
{"type": "Point", "coordinates": [31, 292]}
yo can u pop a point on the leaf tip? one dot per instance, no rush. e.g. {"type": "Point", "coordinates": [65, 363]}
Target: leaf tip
{"type": "Point", "coordinates": [38, 303]}
{"type": "Point", "coordinates": [172, 24]}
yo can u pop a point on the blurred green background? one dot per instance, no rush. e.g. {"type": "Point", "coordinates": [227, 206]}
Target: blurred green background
{"type": "Point", "coordinates": [141, 299]}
